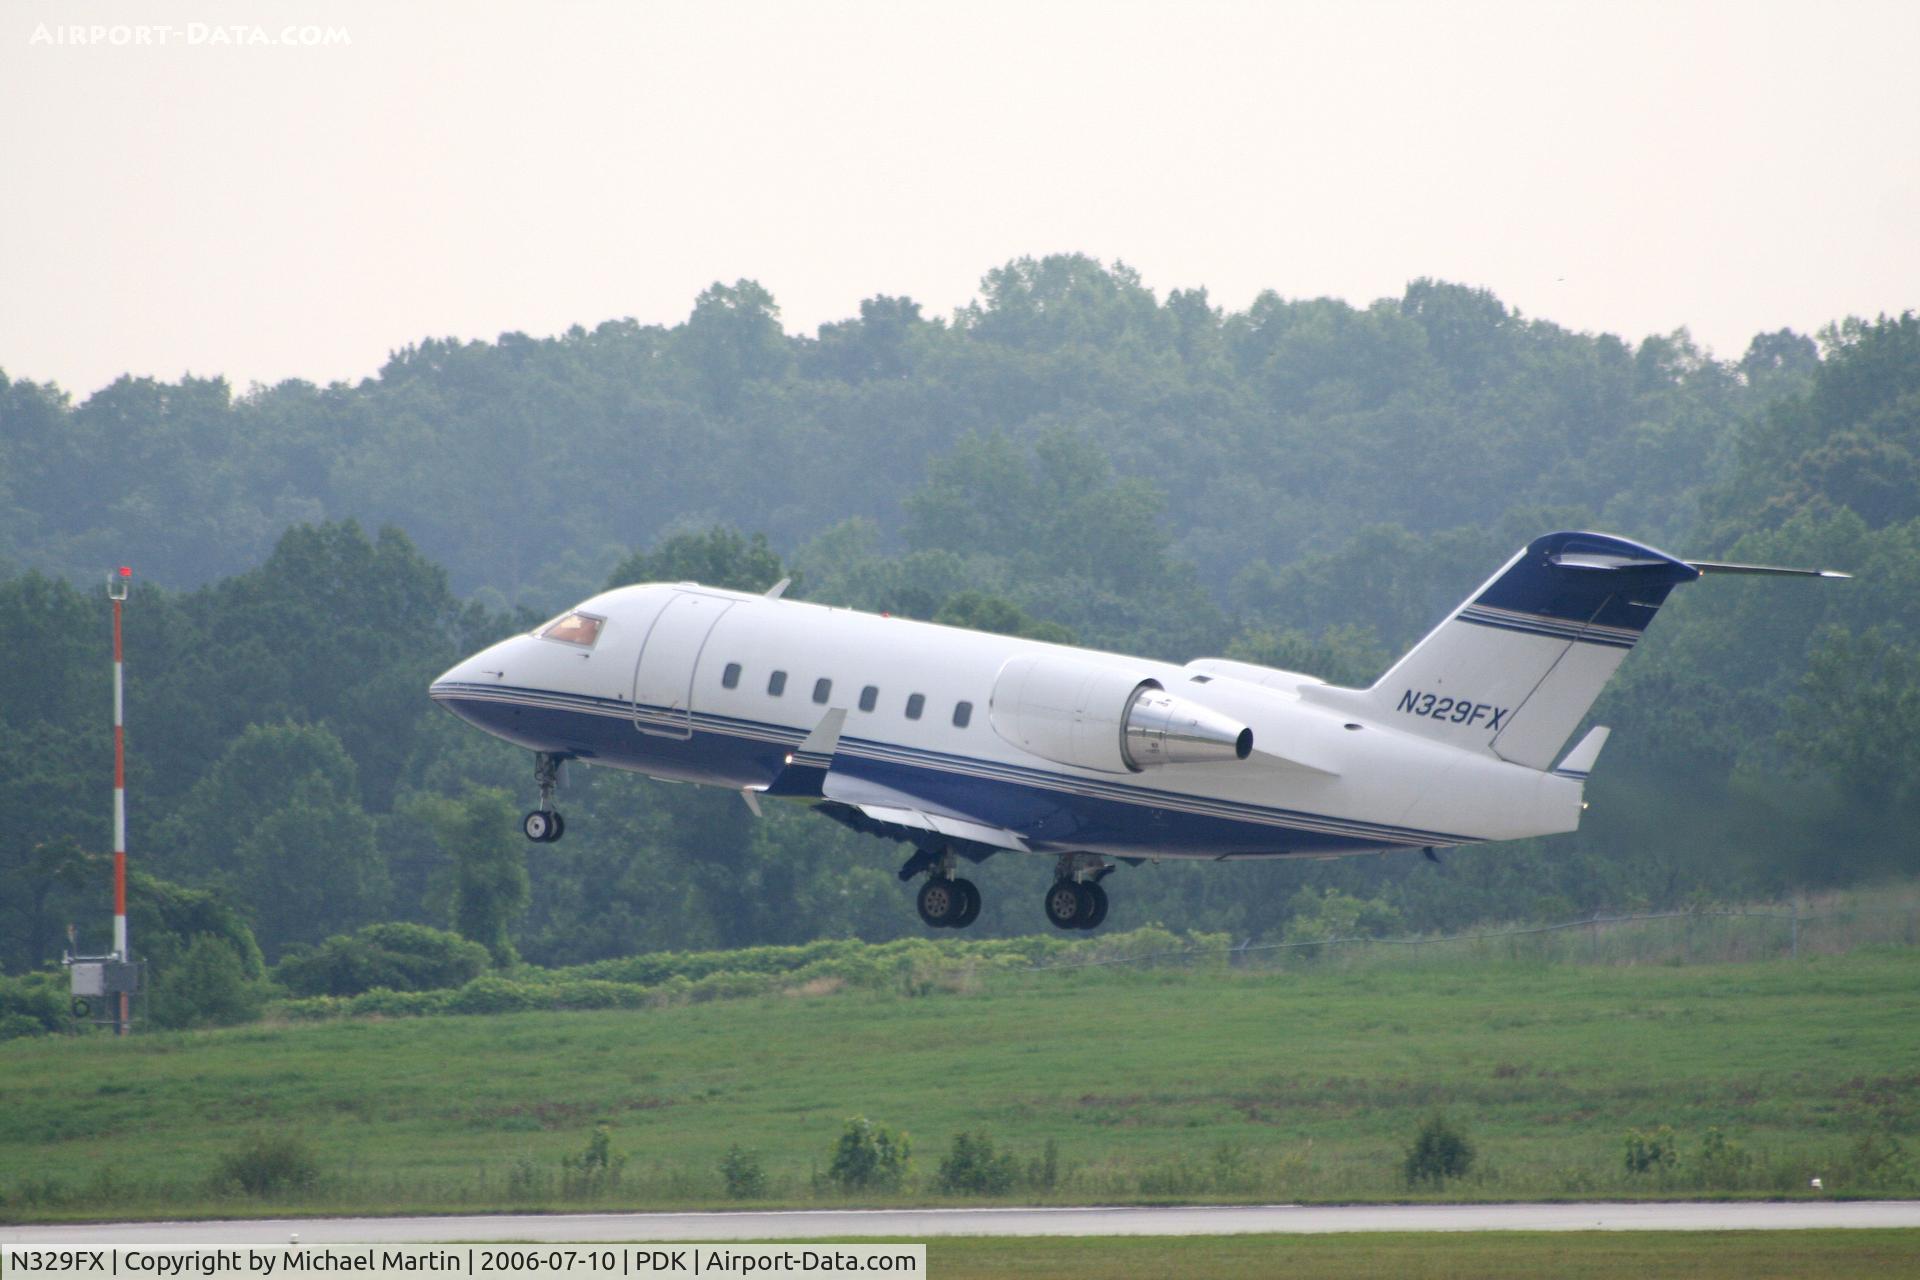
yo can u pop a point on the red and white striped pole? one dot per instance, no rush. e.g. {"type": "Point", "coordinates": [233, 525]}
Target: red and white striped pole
{"type": "Point", "coordinates": [117, 591]}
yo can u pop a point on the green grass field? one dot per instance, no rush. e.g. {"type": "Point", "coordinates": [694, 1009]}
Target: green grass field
{"type": "Point", "coordinates": [1858, 1255]}
{"type": "Point", "coordinates": [1155, 1085]}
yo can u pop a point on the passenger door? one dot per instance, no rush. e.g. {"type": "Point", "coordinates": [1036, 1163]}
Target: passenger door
{"type": "Point", "coordinates": [669, 659]}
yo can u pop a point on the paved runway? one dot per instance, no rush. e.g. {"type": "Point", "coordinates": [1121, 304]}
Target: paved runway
{"type": "Point", "coordinates": [916, 1224]}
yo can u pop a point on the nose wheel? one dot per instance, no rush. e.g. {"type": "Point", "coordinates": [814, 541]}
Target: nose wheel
{"type": "Point", "coordinates": [545, 825]}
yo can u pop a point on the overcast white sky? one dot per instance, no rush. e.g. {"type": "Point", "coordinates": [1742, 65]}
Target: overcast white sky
{"type": "Point", "coordinates": [468, 168]}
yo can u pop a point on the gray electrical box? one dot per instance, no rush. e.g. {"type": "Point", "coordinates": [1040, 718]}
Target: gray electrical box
{"type": "Point", "coordinates": [105, 978]}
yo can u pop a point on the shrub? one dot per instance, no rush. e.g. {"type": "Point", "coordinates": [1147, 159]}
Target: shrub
{"type": "Point", "coordinates": [1722, 1163]}
{"type": "Point", "coordinates": [973, 1168]}
{"type": "Point", "coordinates": [1440, 1150]}
{"type": "Point", "coordinates": [1319, 917]}
{"type": "Point", "coordinates": [398, 957]}
{"type": "Point", "coordinates": [206, 987]}
{"type": "Point", "coordinates": [594, 1170]}
{"type": "Point", "coordinates": [586, 993]}
{"type": "Point", "coordinates": [869, 1158]}
{"type": "Point", "coordinates": [267, 1164]}
{"type": "Point", "coordinates": [491, 994]}
{"type": "Point", "coordinates": [30, 1006]}
{"type": "Point", "coordinates": [381, 1002]}
{"type": "Point", "coordinates": [1875, 1160]}
{"type": "Point", "coordinates": [1655, 1151]}
{"type": "Point", "coordinates": [1043, 1172]}
{"type": "Point", "coordinates": [741, 1172]}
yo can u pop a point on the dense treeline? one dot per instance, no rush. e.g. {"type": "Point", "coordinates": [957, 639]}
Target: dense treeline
{"type": "Point", "coordinates": [1304, 483]}
{"type": "Point", "coordinates": [528, 465]}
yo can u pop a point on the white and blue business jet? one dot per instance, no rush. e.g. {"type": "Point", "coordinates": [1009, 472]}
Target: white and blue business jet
{"type": "Point", "coordinates": [963, 744]}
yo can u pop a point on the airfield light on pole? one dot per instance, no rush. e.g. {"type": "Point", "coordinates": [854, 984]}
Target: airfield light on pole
{"type": "Point", "coordinates": [117, 591]}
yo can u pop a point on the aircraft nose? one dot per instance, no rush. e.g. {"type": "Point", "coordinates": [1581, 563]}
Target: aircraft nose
{"type": "Point", "coordinates": [482, 670]}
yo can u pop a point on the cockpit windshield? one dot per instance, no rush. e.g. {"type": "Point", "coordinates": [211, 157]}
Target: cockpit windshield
{"type": "Point", "coordinates": [574, 628]}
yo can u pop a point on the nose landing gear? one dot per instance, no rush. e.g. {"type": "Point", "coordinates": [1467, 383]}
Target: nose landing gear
{"type": "Point", "coordinates": [545, 825]}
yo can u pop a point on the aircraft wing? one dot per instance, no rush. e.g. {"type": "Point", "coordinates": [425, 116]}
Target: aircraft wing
{"type": "Point", "coordinates": [902, 809]}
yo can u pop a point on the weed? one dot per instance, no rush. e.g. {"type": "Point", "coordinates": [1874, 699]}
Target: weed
{"type": "Point", "coordinates": [1651, 1152]}
{"type": "Point", "coordinates": [742, 1174]}
{"type": "Point", "coordinates": [595, 1170]}
{"type": "Point", "coordinates": [267, 1164]}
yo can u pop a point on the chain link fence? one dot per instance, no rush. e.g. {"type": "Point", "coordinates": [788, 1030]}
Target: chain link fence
{"type": "Point", "coordinates": [1705, 935]}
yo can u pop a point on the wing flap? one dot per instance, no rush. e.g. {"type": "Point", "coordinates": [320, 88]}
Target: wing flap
{"type": "Point", "coordinates": [903, 809]}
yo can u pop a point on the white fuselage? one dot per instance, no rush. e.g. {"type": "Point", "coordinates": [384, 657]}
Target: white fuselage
{"type": "Point", "coordinates": [676, 683]}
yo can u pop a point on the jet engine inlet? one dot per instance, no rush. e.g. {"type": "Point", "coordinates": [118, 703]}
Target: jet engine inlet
{"type": "Point", "coordinates": [1162, 729]}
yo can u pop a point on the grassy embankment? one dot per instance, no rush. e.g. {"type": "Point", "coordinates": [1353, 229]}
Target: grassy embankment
{"type": "Point", "coordinates": [1154, 1084]}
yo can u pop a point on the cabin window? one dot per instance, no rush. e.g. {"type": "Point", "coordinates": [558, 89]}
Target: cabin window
{"type": "Point", "coordinates": [962, 714]}
{"type": "Point", "coordinates": [822, 689]}
{"type": "Point", "coordinates": [730, 678]}
{"type": "Point", "coordinates": [777, 683]}
{"type": "Point", "coordinates": [916, 703]}
{"type": "Point", "coordinates": [574, 628]}
{"type": "Point", "coordinates": [869, 696]}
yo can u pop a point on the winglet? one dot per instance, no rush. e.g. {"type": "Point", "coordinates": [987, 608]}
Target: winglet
{"type": "Point", "coordinates": [779, 588]}
{"type": "Point", "coordinates": [807, 764]}
{"type": "Point", "coordinates": [1579, 761]}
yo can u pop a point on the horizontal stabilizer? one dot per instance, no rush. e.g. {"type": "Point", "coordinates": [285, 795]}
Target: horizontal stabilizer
{"type": "Point", "coordinates": [1274, 760]}
{"type": "Point", "coordinates": [1721, 566]}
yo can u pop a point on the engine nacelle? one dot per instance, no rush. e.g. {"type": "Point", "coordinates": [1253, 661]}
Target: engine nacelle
{"type": "Point", "coordinates": [1111, 718]}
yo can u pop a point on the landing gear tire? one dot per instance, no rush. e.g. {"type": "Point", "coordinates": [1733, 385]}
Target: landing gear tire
{"type": "Point", "coordinates": [941, 902]}
{"type": "Point", "coordinates": [1096, 897]}
{"type": "Point", "coordinates": [543, 826]}
{"type": "Point", "coordinates": [970, 908]}
{"type": "Point", "coordinates": [1068, 904]}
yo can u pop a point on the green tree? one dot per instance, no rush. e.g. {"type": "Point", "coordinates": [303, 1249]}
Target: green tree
{"type": "Point", "coordinates": [207, 986]}
{"type": "Point", "coordinates": [397, 956]}
{"type": "Point", "coordinates": [733, 338]}
{"type": "Point", "coordinates": [979, 611]}
{"type": "Point", "coordinates": [720, 557]}
{"type": "Point", "coordinates": [276, 820]}
{"type": "Point", "coordinates": [1857, 715]}
{"type": "Point", "coordinates": [491, 888]}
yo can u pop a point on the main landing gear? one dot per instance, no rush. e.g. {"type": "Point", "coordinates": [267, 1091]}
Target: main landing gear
{"type": "Point", "coordinates": [947, 901]}
{"type": "Point", "coordinates": [1075, 900]}
{"type": "Point", "coordinates": [545, 825]}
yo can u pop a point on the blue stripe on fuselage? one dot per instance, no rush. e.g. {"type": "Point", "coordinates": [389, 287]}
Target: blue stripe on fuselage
{"type": "Point", "coordinates": [1053, 811]}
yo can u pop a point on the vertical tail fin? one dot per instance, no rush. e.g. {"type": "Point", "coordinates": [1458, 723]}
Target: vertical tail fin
{"type": "Point", "coordinates": [1513, 669]}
